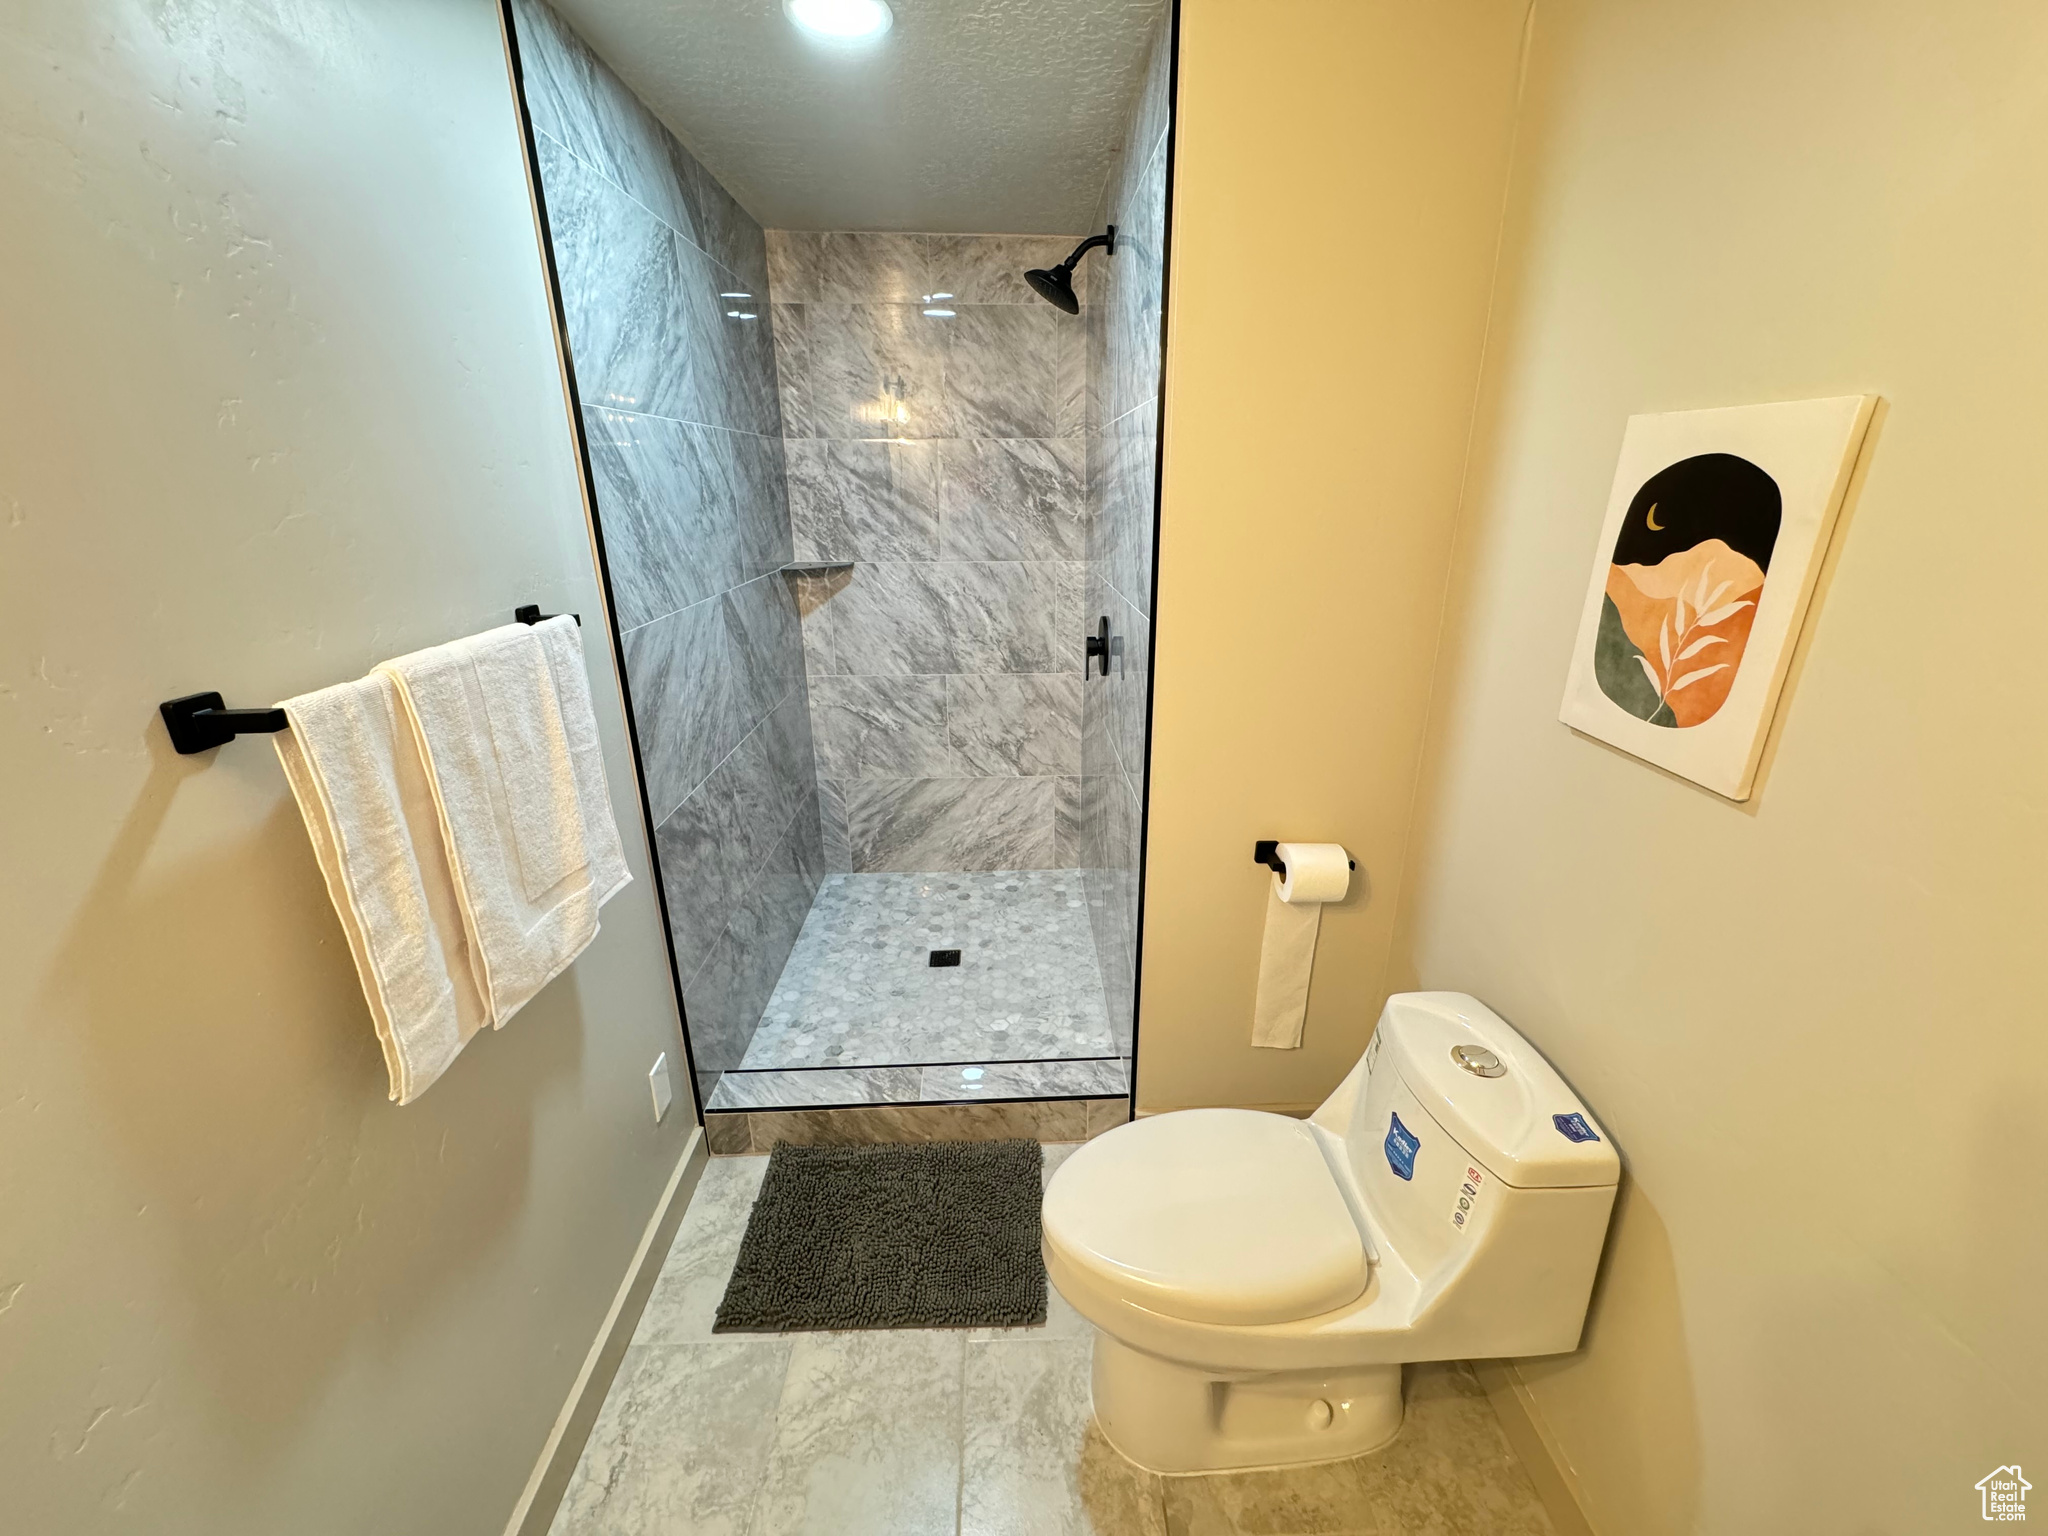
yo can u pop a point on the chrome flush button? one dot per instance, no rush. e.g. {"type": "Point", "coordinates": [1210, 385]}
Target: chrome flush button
{"type": "Point", "coordinates": [1478, 1060]}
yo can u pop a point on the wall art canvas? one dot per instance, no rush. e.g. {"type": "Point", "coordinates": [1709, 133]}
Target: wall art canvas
{"type": "Point", "coordinates": [1713, 539]}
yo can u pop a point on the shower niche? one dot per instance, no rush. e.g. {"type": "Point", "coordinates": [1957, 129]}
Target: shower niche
{"type": "Point", "coordinates": [876, 493]}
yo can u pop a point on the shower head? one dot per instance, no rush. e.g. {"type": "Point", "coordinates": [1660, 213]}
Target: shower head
{"type": "Point", "coordinates": [1055, 285]}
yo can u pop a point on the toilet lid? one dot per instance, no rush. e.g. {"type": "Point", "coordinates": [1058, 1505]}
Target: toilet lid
{"type": "Point", "coordinates": [1214, 1215]}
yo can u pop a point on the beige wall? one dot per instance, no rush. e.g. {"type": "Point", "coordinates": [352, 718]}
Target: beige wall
{"type": "Point", "coordinates": [278, 397]}
{"type": "Point", "coordinates": [1338, 182]}
{"type": "Point", "coordinates": [1814, 1023]}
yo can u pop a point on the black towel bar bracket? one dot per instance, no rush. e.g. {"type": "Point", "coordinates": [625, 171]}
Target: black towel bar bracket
{"type": "Point", "coordinates": [531, 614]}
{"type": "Point", "coordinates": [199, 722]}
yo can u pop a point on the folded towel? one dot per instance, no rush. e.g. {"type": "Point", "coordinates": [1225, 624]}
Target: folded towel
{"type": "Point", "coordinates": [504, 725]}
{"type": "Point", "coordinates": [354, 765]}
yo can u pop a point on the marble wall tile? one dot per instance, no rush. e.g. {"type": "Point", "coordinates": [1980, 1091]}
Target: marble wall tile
{"type": "Point", "coordinates": [840, 267]}
{"type": "Point", "coordinates": [720, 226]}
{"type": "Point", "coordinates": [950, 824]}
{"type": "Point", "coordinates": [622, 298]}
{"type": "Point", "coordinates": [957, 616]}
{"type": "Point", "coordinates": [660, 496]}
{"type": "Point", "coordinates": [792, 344]}
{"type": "Point", "coordinates": [724, 999]}
{"type": "Point", "coordinates": [989, 269]}
{"type": "Point", "coordinates": [1141, 274]}
{"type": "Point", "coordinates": [688, 511]}
{"type": "Point", "coordinates": [577, 101]}
{"type": "Point", "coordinates": [1070, 822]}
{"type": "Point", "coordinates": [1012, 371]}
{"type": "Point", "coordinates": [837, 849]}
{"type": "Point", "coordinates": [1016, 723]}
{"type": "Point", "coordinates": [746, 398]}
{"type": "Point", "coordinates": [1013, 499]}
{"type": "Point", "coordinates": [1138, 460]}
{"type": "Point", "coordinates": [683, 1442]}
{"type": "Point", "coordinates": [705, 677]}
{"type": "Point", "coordinates": [712, 847]}
{"type": "Point", "coordinates": [766, 640]}
{"type": "Point", "coordinates": [1121, 417]}
{"type": "Point", "coordinates": [881, 727]}
{"type": "Point", "coordinates": [672, 341]}
{"type": "Point", "coordinates": [1155, 106]}
{"type": "Point", "coordinates": [687, 699]}
{"type": "Point", "coordinates": [852, 499]}
{"type": "Point", "coordinates": [1124, 693]}
{"type": "Point", "coordinates": [1033, 1460]}
{"type": "Point", "coordinates": [876, 371]}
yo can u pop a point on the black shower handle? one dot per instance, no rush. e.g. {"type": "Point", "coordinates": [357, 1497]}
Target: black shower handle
{"type": "Point", "coordinates": [1098, 645]}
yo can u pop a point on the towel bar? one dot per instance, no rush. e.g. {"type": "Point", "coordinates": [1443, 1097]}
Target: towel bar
{"type": "Point", "coordinates": [199, 722]}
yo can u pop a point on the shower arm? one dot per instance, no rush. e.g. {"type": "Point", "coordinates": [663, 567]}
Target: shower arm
{"type": "Point", "coordinates": [1107, 241]}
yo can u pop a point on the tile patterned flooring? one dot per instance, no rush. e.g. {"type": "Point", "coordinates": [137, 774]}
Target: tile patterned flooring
{"type": "Point", "coordinates": [860, 1015]}
{"type": "Point", "coordinates": [978, 1432]}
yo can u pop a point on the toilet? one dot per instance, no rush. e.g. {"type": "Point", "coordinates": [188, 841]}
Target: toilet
{"type": "Point", "coordinates": [1256, 1282]}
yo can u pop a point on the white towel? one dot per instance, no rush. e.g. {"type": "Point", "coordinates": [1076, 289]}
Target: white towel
{"type": "Point", "coordinates": [504, 725]}
{"type": "Point", "coordinates": [355, 769]}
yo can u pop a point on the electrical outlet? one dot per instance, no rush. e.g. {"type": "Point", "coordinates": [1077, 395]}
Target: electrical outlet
{"type": "Point", "coordinates": [664, 1090]}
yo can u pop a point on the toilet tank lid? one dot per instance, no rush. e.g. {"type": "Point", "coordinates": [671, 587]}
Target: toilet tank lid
{"type": "Point", "coordinates": [1524, 1126]}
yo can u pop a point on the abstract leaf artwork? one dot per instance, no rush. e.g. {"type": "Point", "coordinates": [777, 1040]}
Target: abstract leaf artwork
{"type": "Point", "coordinates": [1713, 539]}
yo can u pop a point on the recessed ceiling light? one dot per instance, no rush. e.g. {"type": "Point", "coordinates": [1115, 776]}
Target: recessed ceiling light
{"type": "Point", "coordinates": [840, 20]}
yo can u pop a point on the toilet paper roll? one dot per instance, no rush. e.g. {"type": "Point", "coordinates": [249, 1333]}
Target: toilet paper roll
{"type": "Point", "coordinates": [1316, 873]}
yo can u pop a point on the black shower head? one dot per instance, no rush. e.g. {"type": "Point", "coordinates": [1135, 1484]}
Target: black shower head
{"type": "Point", "coordinates": [1055, 285]}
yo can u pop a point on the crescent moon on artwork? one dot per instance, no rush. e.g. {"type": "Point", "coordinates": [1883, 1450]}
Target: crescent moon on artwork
{"type": "Point", "coordinates": [1650, 517]}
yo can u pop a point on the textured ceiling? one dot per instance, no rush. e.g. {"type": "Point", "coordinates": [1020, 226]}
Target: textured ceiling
{"type": "Point", "coordinates": [991, 116]}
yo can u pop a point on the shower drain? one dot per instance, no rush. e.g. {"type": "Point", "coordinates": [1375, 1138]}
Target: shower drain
{"type": "Point", "coordinates": [945, 957]}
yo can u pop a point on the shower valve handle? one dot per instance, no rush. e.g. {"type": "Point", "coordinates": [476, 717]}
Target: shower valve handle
{"type": "Point", "coordinates": [1098, 645]}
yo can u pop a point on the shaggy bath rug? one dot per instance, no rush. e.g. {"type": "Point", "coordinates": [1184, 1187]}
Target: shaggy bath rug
{"type": "Point", "coordinates": [932, 1235]}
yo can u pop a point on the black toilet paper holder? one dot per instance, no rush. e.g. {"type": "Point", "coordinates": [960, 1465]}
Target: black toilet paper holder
{"type": "Point", "coordinates": [1266, 851]}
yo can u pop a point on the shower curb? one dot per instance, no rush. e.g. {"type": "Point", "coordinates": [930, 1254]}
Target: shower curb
{"type": "Point", "coordinates": [742, 1133]}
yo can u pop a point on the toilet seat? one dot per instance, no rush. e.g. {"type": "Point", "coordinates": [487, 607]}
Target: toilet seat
{"type": "Point", "coordinates": [1223, 1216]}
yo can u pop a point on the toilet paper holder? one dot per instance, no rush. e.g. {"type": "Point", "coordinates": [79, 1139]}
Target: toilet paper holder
{"type": "Point", "coordinates": [1266, 851]}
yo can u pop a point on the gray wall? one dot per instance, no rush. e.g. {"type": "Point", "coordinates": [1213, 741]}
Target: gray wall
{"type": "Point", "coordinates": [664, 282]}
{"type": "Point", "coordinates": [1122, 438]}
{"type": "Point", "coordinates": [935, 444]}
{"type": "Point", "coordinates": [278, 399]}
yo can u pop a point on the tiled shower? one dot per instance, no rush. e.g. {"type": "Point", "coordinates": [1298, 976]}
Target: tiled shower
{"type": "Point", "coordinates": [862, 496]}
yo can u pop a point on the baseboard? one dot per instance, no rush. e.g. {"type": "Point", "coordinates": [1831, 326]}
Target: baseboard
{"type": "Point", "coordinates": [1557, 1485]}
{"type": "Point", "coordinates": [535, 1511]}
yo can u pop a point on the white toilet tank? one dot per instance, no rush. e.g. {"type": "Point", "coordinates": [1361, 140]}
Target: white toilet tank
{"type": "Point", "coordinates": [1475, 1163]}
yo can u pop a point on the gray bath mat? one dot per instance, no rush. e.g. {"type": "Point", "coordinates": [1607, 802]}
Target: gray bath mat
{"type": "Point", "coordinates": [936, 1235]}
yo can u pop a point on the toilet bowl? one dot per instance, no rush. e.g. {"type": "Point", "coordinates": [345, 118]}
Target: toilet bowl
{"type": "Point", "coordinates": [1257, 1282]}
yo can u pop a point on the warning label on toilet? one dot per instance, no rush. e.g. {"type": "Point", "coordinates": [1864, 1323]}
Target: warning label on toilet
{"type": "Point", "coordinates": [1465, 1206]}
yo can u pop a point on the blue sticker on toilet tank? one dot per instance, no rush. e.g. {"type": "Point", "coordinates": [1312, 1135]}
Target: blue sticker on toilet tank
{"type": "Point", "coordinates": [1402, 1145]}
{"type": "Point", "coordinates": [1574, 1128]}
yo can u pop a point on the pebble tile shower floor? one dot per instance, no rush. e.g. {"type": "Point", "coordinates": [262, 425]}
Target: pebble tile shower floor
{"type": "Point", "coordinates": [861, 1015]}
{"type": "Point", "coordinates": [964, 1432]}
